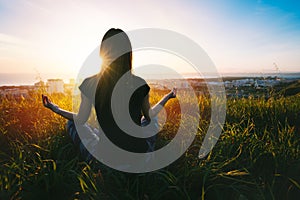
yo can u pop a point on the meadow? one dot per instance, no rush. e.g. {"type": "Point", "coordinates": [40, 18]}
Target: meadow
{"type": "Point", "coordinates": [256, 157]}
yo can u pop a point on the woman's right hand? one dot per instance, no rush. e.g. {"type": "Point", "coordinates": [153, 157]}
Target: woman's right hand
{"type": "Point", "coordinates": [48, 104]}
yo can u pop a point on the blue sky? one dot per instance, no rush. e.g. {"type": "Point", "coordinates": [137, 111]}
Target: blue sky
{"type": "Point", "coordinates": [239, 36]}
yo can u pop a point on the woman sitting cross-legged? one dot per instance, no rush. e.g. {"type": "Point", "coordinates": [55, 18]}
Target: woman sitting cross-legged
{"type": "Point", "coordinates": [98, 91]}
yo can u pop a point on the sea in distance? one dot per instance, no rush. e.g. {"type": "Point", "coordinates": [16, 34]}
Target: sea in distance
{"type": "Point", "coordinates": [10, 79]}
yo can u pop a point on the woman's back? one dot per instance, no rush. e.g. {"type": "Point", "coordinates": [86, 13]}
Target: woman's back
{"type": "Point", "coordinates": [108, 109]}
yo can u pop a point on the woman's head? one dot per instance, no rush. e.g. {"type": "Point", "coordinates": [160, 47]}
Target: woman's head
{"type": "Point", "coordinates": [116, 52]}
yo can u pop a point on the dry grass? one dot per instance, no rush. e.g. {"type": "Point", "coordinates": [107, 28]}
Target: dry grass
{"type": "Point", "coordinates": [257, 156]}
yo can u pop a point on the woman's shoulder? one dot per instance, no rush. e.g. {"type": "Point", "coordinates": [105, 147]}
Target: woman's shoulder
{"type": "Point", "coordinates": [89, 84]}
{"type": "Point", "coordinates": [91, 80]}
{"type": "Point", "coordinates": [139, 79]}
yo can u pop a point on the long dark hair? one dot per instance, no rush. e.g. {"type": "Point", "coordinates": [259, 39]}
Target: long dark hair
{"type": "Point", "coordinates": [116, 54]}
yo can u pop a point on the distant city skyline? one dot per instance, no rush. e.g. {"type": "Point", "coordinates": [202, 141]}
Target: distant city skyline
{"type": "Point", "coordinates": [239, 36]}
{"type": "Point", "coordinates": [18, 79]}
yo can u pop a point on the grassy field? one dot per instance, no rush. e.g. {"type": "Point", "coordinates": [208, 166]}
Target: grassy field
{"type": "Point", "coordinates": [256, 157]}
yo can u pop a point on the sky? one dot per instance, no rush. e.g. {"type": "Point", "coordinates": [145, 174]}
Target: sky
{"type": "Point", "coordinates": [44, 36]}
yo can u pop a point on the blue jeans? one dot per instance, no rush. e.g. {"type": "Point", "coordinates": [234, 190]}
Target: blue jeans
{"type": "Point", "coordinates": [71, 129]}
{"type": "Point", "coordinates": [93, 136]}
{"type": "Point", "coordinates": [151, 140]}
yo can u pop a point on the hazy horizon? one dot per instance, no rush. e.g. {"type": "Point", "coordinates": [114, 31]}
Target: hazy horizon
{"type": "Point", "coordinates": [17, 79]}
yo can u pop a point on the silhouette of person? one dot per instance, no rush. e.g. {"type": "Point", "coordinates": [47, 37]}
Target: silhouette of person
{"type": "Point", "coordinates": [97, 91]}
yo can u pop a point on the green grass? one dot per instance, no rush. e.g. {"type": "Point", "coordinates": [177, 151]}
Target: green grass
{"type": "Point", "coordinates": [256, 157]}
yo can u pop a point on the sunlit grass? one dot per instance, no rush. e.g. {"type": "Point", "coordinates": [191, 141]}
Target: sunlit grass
{"type": "Point", "coordinates": [256, 157]}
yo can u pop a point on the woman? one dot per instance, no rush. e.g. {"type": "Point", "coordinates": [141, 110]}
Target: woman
{"type": "Point", "coordinates": [98, 90]}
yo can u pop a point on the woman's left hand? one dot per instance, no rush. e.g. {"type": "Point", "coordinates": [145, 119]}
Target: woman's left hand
{"type": "Point", "coordinates": [172, 94]}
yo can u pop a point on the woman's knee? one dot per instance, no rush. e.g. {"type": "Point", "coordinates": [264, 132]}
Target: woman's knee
{"type": "Point", "coordinates": [72, 131]}
{"type": "Point", "coordinates": [145, 122]}
{"type": "Point", "coordinates": [70, 124]}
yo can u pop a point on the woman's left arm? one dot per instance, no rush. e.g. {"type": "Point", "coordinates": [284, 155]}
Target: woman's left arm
{"type": "Point", "coordinates": [150, 112]}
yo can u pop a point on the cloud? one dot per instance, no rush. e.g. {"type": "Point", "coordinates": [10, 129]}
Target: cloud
{"type": "Point", "coordinates": [36, 6]}
{"type": "Point", "coordinates": [9, 40]}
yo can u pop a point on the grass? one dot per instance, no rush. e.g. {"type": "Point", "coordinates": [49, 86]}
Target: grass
{"type": "Point", "coordinates": [256, 157]}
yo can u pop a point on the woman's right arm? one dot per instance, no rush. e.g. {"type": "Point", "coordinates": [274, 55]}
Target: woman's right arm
{"type": "Point", "coordinates": [152, 112]}
{"type": "Point", "coordinates": [81, 117]}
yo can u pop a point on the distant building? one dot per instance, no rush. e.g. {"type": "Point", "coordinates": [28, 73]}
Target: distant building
{"type": "Point", "coordinates": [228, 84]}
{"type": "Point", "coordinates": [157, 86]}
{"type": "Point", "coordinates": [259, 84]}
{"type": "Point", "coordinates": [170, 83]}
{"type": "Point", "coordinates": [38, 86]}
{"type": "Point", "coordinates": [72, 81]}
{"type": "Point", "coordinates": [69, 87]}
{"type": "Point", "coordinates": [14, 91]}
{"type": "Point", "coordinates": [55, 86]}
